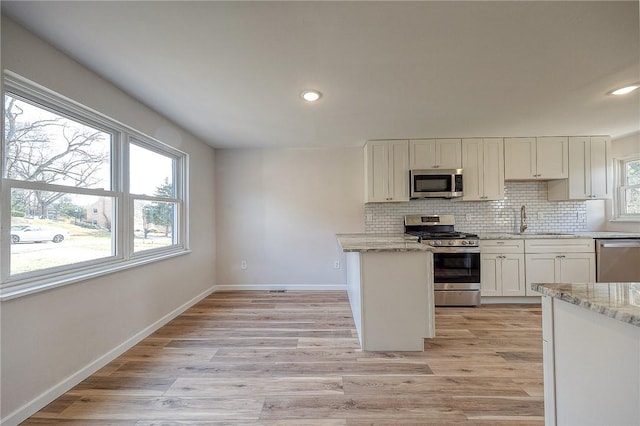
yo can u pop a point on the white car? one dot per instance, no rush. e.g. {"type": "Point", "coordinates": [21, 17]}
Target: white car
{"type": "Point", "coordinates": [32, 233]}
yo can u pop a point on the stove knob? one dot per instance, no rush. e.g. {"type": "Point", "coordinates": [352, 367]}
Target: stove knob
{"type": "Point", "coordinates": [438, 243]}
{"type": "Point", "coordinates": [465, 242]}
{"type": "Point", "coordinates": [452, 243]}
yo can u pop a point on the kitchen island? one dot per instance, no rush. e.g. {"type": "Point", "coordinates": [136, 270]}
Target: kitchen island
{"type": "Point", "coordinates": [390, 288]}
{"type": "Point", "coordinates": [591, 349]}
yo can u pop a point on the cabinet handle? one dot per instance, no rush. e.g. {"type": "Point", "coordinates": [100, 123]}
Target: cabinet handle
{"type": "Point", "coordinates": [435, 166]}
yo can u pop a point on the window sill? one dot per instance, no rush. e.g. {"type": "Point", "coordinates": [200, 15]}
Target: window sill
{"type": "Point", "coordinates": [626, 220]}
{"type": "Point", "coordinates": [14, 291]}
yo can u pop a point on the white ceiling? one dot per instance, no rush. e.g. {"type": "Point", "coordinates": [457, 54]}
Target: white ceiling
{"type": "Point", "coordinates": [232, 72]}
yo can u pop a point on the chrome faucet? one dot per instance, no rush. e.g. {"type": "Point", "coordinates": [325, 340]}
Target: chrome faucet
{"type": "Point", "coordinates": [523, 219]}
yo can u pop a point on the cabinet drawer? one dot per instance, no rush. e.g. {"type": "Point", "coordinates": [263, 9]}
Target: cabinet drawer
{"type": "Point", "coordinates": [561, 245]}
{"type": "Point", "coordinates": [502, 246]}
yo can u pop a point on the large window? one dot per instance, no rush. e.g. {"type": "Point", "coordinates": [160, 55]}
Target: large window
{"type": "Point", "coordinates": [628, 191]}
{"type": "Point", "coordinates": [81, 194]}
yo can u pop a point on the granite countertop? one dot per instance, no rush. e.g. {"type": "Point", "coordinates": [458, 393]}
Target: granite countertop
{"type": "Point", "coordinates": [620, 301]}
{"type": "Point", "coordinates": [380, 243]}
{"type": "Point", "coordinates": [534, 235]}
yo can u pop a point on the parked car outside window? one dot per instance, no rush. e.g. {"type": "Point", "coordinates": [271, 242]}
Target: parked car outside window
{"type": "Point", "coordinates": [37, 234]}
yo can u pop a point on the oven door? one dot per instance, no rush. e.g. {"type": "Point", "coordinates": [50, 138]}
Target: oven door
{"type": "Point", "coordinates": [456, 269]}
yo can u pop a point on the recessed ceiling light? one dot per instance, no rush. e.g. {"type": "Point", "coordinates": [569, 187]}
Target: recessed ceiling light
{"type": "Point", "coordinates": [625, 90]}
{"type": "Point", "coordinates": [310, 95]}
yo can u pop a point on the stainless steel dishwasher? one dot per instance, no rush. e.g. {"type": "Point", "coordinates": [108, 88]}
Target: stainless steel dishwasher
{"type": "Point", "coordinates": [618, 260]}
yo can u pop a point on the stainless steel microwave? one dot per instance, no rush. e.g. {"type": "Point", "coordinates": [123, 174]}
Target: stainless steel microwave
{"type": "Point", "coordinates": [436, 183]}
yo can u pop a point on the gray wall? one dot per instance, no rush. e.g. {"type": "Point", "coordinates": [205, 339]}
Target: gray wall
{"type": "Point", "coordinates": [50, 336]}
{"type": "Point", "coordinates": [279, 210]}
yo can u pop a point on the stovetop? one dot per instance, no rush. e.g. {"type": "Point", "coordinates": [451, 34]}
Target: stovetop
{"type": "Point", "coordinates": [438, 230]}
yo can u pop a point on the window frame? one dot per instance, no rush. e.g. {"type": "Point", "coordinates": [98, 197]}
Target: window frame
{"type": "Point", "coordinates": [619, 202]}
{"type": "Point", "coordinates": [122, 240]}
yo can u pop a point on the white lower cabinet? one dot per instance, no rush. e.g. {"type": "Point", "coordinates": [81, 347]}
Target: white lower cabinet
{"type": "Point", "coordinates": [559, 261]}
{"type": "Point", "coordinates": [502, 268]}
{"type": "Point", "coordinates": [509, 266]}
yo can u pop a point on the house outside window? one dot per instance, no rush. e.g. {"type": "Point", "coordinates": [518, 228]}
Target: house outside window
{"type": "Point", "coordinates": [627, 203]}
{"type": "Point", "coordinates": [116, 195]}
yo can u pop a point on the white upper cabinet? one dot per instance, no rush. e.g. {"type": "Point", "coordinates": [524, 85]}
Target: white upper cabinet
{"type": "Point", "coordinates": [590, 170]}
{"type": "Point", "coordinates": [386, 171]}
{"type": "Point", "coordinates": [483, 169]}
{"type": "Point", "coordinates": [435, 153]}
{"type": "Point", "coordinates": [543, 158]}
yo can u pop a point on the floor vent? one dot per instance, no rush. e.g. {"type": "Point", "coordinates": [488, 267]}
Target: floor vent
{"type": "Point", "coordinates": [277, 291]}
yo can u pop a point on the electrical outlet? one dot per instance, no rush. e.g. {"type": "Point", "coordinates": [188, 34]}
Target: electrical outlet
{"type": "Point", "coordinates": [336, 264]}
{"type": "Point", "coordinates": [469, 216]}
{"type": "Point", "coordinates": [243, 264]}
{"type": "Point", "coordinates": [540, 215]}
{"type": "Point", "coordinates": [582, 216]}
{"type": "Point", "coordinates": [369, 217]}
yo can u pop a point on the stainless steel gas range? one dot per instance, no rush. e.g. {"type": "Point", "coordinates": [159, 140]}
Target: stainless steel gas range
{"type": "Point", "coordinates": [456, 258]}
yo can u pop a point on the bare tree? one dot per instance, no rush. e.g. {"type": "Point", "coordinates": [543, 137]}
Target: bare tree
{"type": "Point", "coordinates": [53, 150]}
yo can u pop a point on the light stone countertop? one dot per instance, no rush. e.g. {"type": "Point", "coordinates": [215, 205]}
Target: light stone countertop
{"type": "Point", "coordinates": [403, 242]}
{"type": "Point", "coordinates": [380, 243]}
{"type": "Point", "coordinates": [620, 301]}
{"type": "Point", "coordinates": [536, 235]}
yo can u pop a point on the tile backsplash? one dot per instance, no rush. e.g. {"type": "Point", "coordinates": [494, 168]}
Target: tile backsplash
{"type": "Point", "coordinates": [487, 216]}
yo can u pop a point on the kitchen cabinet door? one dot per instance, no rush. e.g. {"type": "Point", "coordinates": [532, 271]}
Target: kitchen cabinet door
{"type": "Point", "coordinates": [577, 268]}
{"type": "Point", "coordinates": [422, 153]}
{"type": "Point", "coordinates": [502, 275]}
{"type": "Point", "coordinates": [600, 168]}
{"type": "Point", "coordinates": [435, 154]}
{"type": "Point", "coordinates": [513, 276]}
{"type": "Point", "coordinates": [493, 169]}
{"type": "Point", "coordinates": [542, 158]}
{"type": "Point", "coordinates": [473, 169]}
{"type": "Point", "coordinates": [590, 171]}
{"type": "Point", "coordinates": [559, 268]}
{"type": "Point", "coordinates": [540, 268]}
{"type": "Point", "coordinates": [449, 153]}
{"type": "Point", "coordinates": [520, 158]}
{"type": "Point", "coordinates": [377, 171]}
{"type": "Point", "coordinates": [552, 158]}
{"type": "Point", "coordinates": [490, 272]}
{"type": "Point", "coordinates": [399, 171]}
{"type": "Point", "coordinates": [386, 171]}
{"type": "Point", "coordinates": [483, 168]}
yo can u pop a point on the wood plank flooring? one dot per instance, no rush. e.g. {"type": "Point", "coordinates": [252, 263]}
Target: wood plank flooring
{"type": "Point", "coordinates": [262, 358]}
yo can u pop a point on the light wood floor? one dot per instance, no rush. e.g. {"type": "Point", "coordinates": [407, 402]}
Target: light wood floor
{"type": "Point", "coordinates": [261, 358]}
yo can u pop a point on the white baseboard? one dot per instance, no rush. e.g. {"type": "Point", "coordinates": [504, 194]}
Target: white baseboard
{"type": "Point", "coordinates": [32, 407]}
{"type": "Point", "coordinates": [280, 287]}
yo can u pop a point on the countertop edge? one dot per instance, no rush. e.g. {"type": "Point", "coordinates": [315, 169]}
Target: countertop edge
{"type": "Point", "coordinates": [556, 291]}
{"type": "Point", "coordinates": [380, 243]}
{"type": "Point", "coordinates": [558, 235]}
